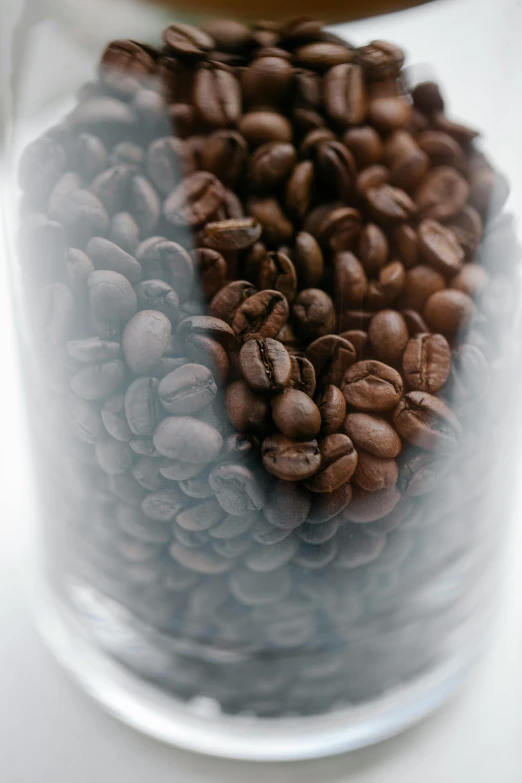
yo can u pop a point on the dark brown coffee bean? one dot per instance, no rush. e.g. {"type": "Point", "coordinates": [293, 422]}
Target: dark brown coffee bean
{"type": "Point", "coordinates": [468, 228]}
{"type": "Point", "coordinates": [290, 460]}
{"type": "Point", "coordinates": [372, 434]}
{"type": "Point", "coordinates": [439, 247]}
{"type": "Point", "coordinates": [442, 150]}
{"type": "Point", "coordinates": [448, 311]}
{"type": "Point", "coordinates": [145, 340]}
{"type": "Point", "coordinates": [373, 248]}
{"type": "Point", "coordinates": [211, 271]}
{"type": "Point", "coordinates": [314, 314]}
{"type": "Point", "coordinates": [237, 489]}
{"type": "Point", "coordinates": [392, 279]}
{"type": "Point", "coordinates": [182, 437]}
{"type": "Point", "coordinates": [265, 365]}
{"type": "Point", "coordinates": [260, 127]}
{"type": "Point", "coordinates": [390, 205]}
{"type": "Point", "coordinates": [224, 154]}
{"type": "Point", "coordinates": [388, 335]}
{"type": "Point", "coordinates": [420, 473]}
{"type": "Point", "coordinates": [371, 506]}
{"type": "Point", "coordinates": [355, 319]}
{"type": "Point", "coordinates": [187, 41]}
{"type": "Point", "coordinates": [472, 280]}
{"type": "Point", "coordinates": [359, 339]}
{"type": "Point", "coordinates": [231, 235]}
{"type": "Point", "coordinates": [270, 164]}
{"type": "Point", "coordinates": [426, 421]}
{"type": "Point", "coordinates": [168, 159]}
{"type": "Point", "coordinates": [372, 177]}
{"type": "Point", "coordinates": [308, 260]}
{"type": "Point", "coordinates": [406, 245]}
{"type": "Point", "coordinates": [206, 326]}
{"type": "Point", "coordinates": [374, 473]}
{"type": "Point", "coordinates": [247, 411]}
{"type": "Point", "coordinates": [104, 115]}
{"type": "Point", "coordinates": [261, 315]}
{"type": "Point", "coordinates": [277, 229]}
{"type": "Point", "coordinates": [326, 506]}
{"type": "Point", "coordinates": [427, 362]}
{"type": "Point", "coordinates": [331, 357]}
{"type": "Point", "coordinates": [217, 97]}
{"type": "Point", "coordinates": [302, 376]}
{"type": "Point", "coordinates": [372, 386]}
{"type": "Point", "coordinates": [321, 56]}
{"type": "Point", "coordinates": [314, 139]}
{"type": "Point", "coordinates": [228, 35]}
{"type": "Point", "coordinates": [351, 282]}
{"type": "Point", "coordinates": [332, 406]}
{"type": "Point", "coordinates": [287, 505]}
{"type": "Point", "coordinates": [295, 414]}
{"type": "Point", "coordinates": [415, 322]}
{"type": "Point", "coordinates": [267, 81]}
{"type": "Point", "coordinates": [380, 60]}
{"type": "Point", "coordinates": [421, 282]}
{"type": "Point", "coordinates": [338, 463]}
{"type": "Point", "coordinates": [442, 194]}
{"type": "Point", "coordinates": [228, 300]}
{"type": "Point", "coordinates": [336, 168]}
{"type": "Point", "coordinates": [427, 98]}
{"type": "Point", "coordinates": [345, 94]}
{"type": "Point", "coordinates": [463, 134]}
{"type": "Point", "coordinates": [277, 272]}
{"type": "Point", "coordinates": [299, 189]}
{"type": "Point", "coordinates": [365, 144]}
{"type": "Point", "coordinates": [195, 200]}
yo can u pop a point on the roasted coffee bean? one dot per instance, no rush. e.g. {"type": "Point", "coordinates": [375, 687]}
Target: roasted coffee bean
{"type": "Point", "coordinates": [107, 255]}
{"type": "Point", "coordinates": [265, 365]}
{"type": "Point", "coordinates": [372, 177]}
{"type": "Point", "coordinates": [199, 561]}
{"type": "Point", "coordinates": [209, 352]}
{"type": "Point", "coordinates": [321, 56]}
{"type": "Point", "coordinates": [359, 339]}
{"type": "Point", "coordinates": [317, 556]}
{"type": "Point", "coordinates": [124, 232]}
{"type": "Point", "coordinates": [389, 205]}
{"type": "Point", "coordinates": [179, 470]}
{"type": "Point", "coordinates": [365, 144]}
{"type": "Point", "coordinates": [415, 322]}
{"type": "Point", "coordinates": [261, 315]}
{"type": "Point", "coordinates": [217, 97]}
{"type": "Point", "coordinates": [277, 228]}
{"type": "Point", "coordinates": [247, 411]}
{"type": "Point", "coordinates": [277, 272]}
{"type": "Point", "coordinates": [299, 189]}
{"type": "Point", "coordinates": [168, 159]}
{"type": "Point", "coordinates": [261, 127]}
{"type": "Point", "coordinates": [374, 473]}
{"type": "Point", "coordinates": [319, 534]}
{"type": "Point", "coordinates": [372, 434]}
{"type": "Point", "coordinates": [332, 406]}
{"type": "Point", "coordinates": [144, 203]}
{"type": "Point", "coordinates": [187, 390]}
{"type": "Point", "coordinates": [188, 42]}
{"type": "Point", "coordinates": [407, 162]}
{"type": "Point", "coordinates": [182, 437]}
{"type": "Point", "coordinates": [392, 279]}
{"type": "Point", "coordinates": [380, 60]}
{"type": "Point", "coordinates": [159, 296]}
{"type": "Point", "coordinates": [127, 153]}
{"type": "Point", "coordinates": [98, 381]}
{"type": "Point", "coordinates": [141, 406]}
{"type": "Point", "coordinates": [308, 260]}
{"type": "Point", "coordinates": [336, 168]}
{"type": "Point", "coordinates": [145, 339]}
{"type": "Point", "coordinates": [373, 248]}
{"type": "Point", "coordinates": [170, 259]}
{"type": "Point", "coordinates": [237, 489]}
{"type": "Point", "coordinates": [388, 335]}
{"type": "Point", "coordinates": [427, 98]}
{"type": "Point", "coordinates": [270, 164]}
{"type": "Point", "coordinates": [426, 362]}
{"type": "Point", "coordinates": [345, 94]}
{"type": "Point", "coordinates": [93, 350]}
{"type": "Point", "coordinates": [442, 150]}
{"type": "Point", "coordinates": [338, 462]}
{"type": "Point", "coordinates": [260, 589]}
{"type": "Point", "coordinates": [200, 517]}
{"type": "Point", "coordinates": [211, 271]}
{"type": "Point", "coordinates": [267, 80]}
{"type": "Point", "coordinates": [265, 559]}
{"type": "Point", "coordinates": [303, 375]}
{"type": "Point", "coordinates": [114, 418]}
{"type": "Point", "coordinates": [371, 506]}
{"type": "Point", "coordinates": [358, 550]}
{"type": "Point", "coordinates": [405, 241]}
{"type": "Point", "coordinates": [472, 280]}
{"type": "Point", "coordinates": [420, 473]}
{"type": "Point", "coordinates": [463, 134]}
{"type": "Point", "coordinates": [206, 326]}
{"type": "Point", "coordinates": [228, 35]}
{"type": "Point", "coordinates": [326, 506]}
{"type": "Point", "coordinates": [351, 282]}
{"type": "Point", "coordinates": [231, 235]}
{"type": "Point", "coordinates": [372, 386]}
{"type": "Point", "coordinates": [442, 194]}
{"type": "Point", "coordinates": [113, 457]}
{"type": "Point", "coordinates": [440, 248]}
{"type": "Point", "coordinates": [195, 200]}
{"type": "Point", "coordinates": [295, 414]}
{"type": "Point", "coordinates": [331, 357]}
{"type": "Point", "coordinates": [290, 460]}
{"type": "Point", "coordinates": [224, 155]}
{"type": "Point", "coordinates": [314, 314]}
{"type": "Point", "coordinates": [426, 421]}
{"type": "Point", "coordinates": [468, 228]}
{"type": "Point", "coordinates": [420, 283]}
{"type": "Point", "coordinates": [229, 299]}
{"type": "Point", "coordinates": [448, 311]}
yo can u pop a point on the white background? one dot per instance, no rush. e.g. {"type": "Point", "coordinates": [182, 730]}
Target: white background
{"type": "Point", "coordinates": [51, 733]}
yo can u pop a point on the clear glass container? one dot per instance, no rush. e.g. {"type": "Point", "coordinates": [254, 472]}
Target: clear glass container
{"type": "Point", "coordinates": [267, 291]}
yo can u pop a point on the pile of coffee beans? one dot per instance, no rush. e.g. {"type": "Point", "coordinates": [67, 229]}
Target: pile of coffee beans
{"type": "Point", "coordinates": [266, 285]}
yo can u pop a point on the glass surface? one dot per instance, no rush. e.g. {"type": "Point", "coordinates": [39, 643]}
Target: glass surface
{"type": "Point", "coordinates": [268, 290]}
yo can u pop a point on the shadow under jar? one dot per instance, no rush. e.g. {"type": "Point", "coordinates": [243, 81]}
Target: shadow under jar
{"type": "Point", "coordinates": [268, 294]}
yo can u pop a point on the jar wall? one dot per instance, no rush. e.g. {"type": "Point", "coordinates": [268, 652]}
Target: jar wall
{"type": "Point", "coordinates": [267, 315]}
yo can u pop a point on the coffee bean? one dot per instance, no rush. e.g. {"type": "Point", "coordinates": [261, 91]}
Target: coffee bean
{"type": "Point", "coordinates": [187, 389]}
{"type": "Point", "coordinates": [270, 164]}
{"type": "Point", "coordinates": [332, 406]}
{"type": "Point", "coordinates": [187, 42]}
{"type": "Point", "coordinates": [389, 205]}
{"type": "Point", "coordinates": [287, 505]}
{"type": "Point", "coordinates": [265, 533]}
{"type": "Point", "coordinates": [440, 248]}
{"type": "Point", "coordinates": [321, 56]}
{"type": "Point", "coordinates": [197, 487]}
{"type": "Point", "coordinates": [426, 421]}
{"type": "Point", "coordinates": [228, 34]}
{"type": "Point", "coordinates": [359, 550]}
{"type": "Point", "coordinates": [237, 489]}
{"type": "Point", "coordinates": [113, 457]}
{"type": "Point", "coordinates": [231, 235]}
{"type": "Point", "coordinates": [406, 245]}
{"type": "Point", "coordinates": [224, 155]}
{"type": "Point", "coordinates": [179, 470]}
{"type": "Point", "coordinates": [407, 162]}
{"type": "Point", "coordinates": [372, 434]}
{"type": "Point", "coordinates": [302, 376]}
{"type": "Point", "coordinates": [265, 559]}
{"type": "Point", "coordinates": [247, 411]}
{"type": "Point", "coordinates": [260, 589]}
{"type": "Point", "coordinates": [290, 460]}
{"type": "Point", "coordinates": [448, 311]}
{"type": "Point", "coordinates": [314, 314]}
{"type": "Point", "coordinates": [365, 144]}
{"type": "Point", "coordinates": [202, 516]}
{"type": "Point", "coordinates": [299, 189]}
{"type": "Point", "coordinates": [338, 462]}
{"type": "Point", "coordinates": [326, 506]}
{"type": "Point", "coordinates": [373, 248]}
{"type": "Point", "coordinates": [277, 272]}
{"type": "Point", "coordinates": [277, 229]}
{"type": "Point", "coordinates": [317, 556]}
{"type": "Point", "coordinates": [107, 255]}
{"type": "Point", "coordinates": [267, 80]}
{"type": "Point", "coordinates": [127, 154]}
{"type": "Point", "coordinates": [331, 357]}
{"type": "Point", "coordinates": [345, 94]}
{"type": "Point", "coordinates": [371, 506]}
{"type": "Point", "coordinates": [295, 414]}
{"type": "Point", "coordinates": [319, 534]}
{"type": "Point", "coordinates": [427, 98]}
{"type": "Point", "coordinates": [195, 200]}
{"type": "Point", "coordinates": [351, 283]}
{"type": "Point", "coordinates": [415, 322]}
{"type": "Point", "coordinates": [372, 386]}
{"type": "Point", "coordinates": [206, 326]}
{"type": "Point", "coordinates": [388, 335]}
{"type": "Point", "coordinates": [372, 177]}
{"type": "Point", "coordinates": [124, 232]}
{"type": "Point", "coordinates": [265, 365]}
{"type": "Point", "coordinates": [208, 563]}
{"type": "Point", "coordinates": [420, 473]}
{"type": "Point", "coordinates": [442, 194]}
{"type": "Point", "coordinates": [217, 97]}
{"type": "Point", "coordinates": [145, 339]}
{"type": "Point", "coordinates": [427, 362]}
{"type": "Point", "coordinates": [308, 260]}
{"type": "Point", "coordinates": [421, 282]}
{"type": "Point", "coordinates": [182, 437]}
{"type": "Point", "coordinates": [261, 127]}
{"type": "Point", "coordinates": [114, 418]}
{"type": "Point", "coordinates": [168, 159]}
{"type": "Point", "coordinates": [86, 422]}
{"type": "Point", "coordinates": [374, 473]}
{"type": "Point", "coordinates": [228, 300]}
{"type": "Point", "coordinates": [97, 381]}
{"type": "Point", "coordinates": [380, 60]}
{"type": "Point", "coordinates": [261, 315]}
{"type": "Point", "coordinates": [141, 406]}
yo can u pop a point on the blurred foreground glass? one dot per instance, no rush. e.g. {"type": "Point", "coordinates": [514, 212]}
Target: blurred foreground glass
{"type": "Point", "coordinates": [267, 294]}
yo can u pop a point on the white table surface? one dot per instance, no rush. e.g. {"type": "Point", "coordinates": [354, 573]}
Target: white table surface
{"type": "Point", "coordinates": [50, 732]}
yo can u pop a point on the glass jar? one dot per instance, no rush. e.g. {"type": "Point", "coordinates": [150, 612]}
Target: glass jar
{"type": "Point", "coordinates": [267, 292]}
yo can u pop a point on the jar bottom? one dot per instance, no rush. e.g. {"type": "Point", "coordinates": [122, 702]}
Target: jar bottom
{"type": "Point", "coordinates": [200, 727]}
